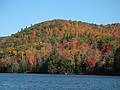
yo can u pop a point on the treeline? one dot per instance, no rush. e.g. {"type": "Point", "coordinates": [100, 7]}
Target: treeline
{"type": "Point", "coordinates": [63, 47]}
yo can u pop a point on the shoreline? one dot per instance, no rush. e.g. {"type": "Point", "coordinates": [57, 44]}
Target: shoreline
{"type": "Point", "coordinates": [60, 74]}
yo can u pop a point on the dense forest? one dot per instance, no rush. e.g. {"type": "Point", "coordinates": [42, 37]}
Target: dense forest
{"type": "Point", "coordinates": [62, 47]}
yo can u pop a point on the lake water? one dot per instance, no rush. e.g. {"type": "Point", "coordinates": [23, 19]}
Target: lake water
{"type": "Point", "coordinates": [58, 82]}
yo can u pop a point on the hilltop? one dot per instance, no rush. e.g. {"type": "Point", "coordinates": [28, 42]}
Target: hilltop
{"type": "Point", "coordinates": [62, 46]}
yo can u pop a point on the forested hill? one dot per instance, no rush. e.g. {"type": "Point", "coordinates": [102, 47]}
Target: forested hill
{"type": "Point", "coordinates": [62, 46]}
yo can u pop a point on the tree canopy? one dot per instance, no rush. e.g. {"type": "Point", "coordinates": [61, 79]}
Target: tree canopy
{"type": "Point", "coordinates": [62, 46]}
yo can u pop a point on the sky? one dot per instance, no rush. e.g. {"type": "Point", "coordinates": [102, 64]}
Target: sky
{"type": "Point", "coordinates": [17, 14]}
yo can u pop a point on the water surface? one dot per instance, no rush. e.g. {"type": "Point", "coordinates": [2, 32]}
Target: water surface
{"type": "Point", "coordinates": [58, 82]}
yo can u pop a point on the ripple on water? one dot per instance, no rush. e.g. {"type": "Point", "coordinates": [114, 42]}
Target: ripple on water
{"type": "Point", "coordinates": [58, 82]}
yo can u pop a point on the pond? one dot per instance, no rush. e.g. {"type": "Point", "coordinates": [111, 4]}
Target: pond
{"type": "Point", "coordinates": [58, 82]}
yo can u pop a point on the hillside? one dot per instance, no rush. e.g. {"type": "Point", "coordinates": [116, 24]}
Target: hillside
{"type": "Point", "coordinates": [62, 46]}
